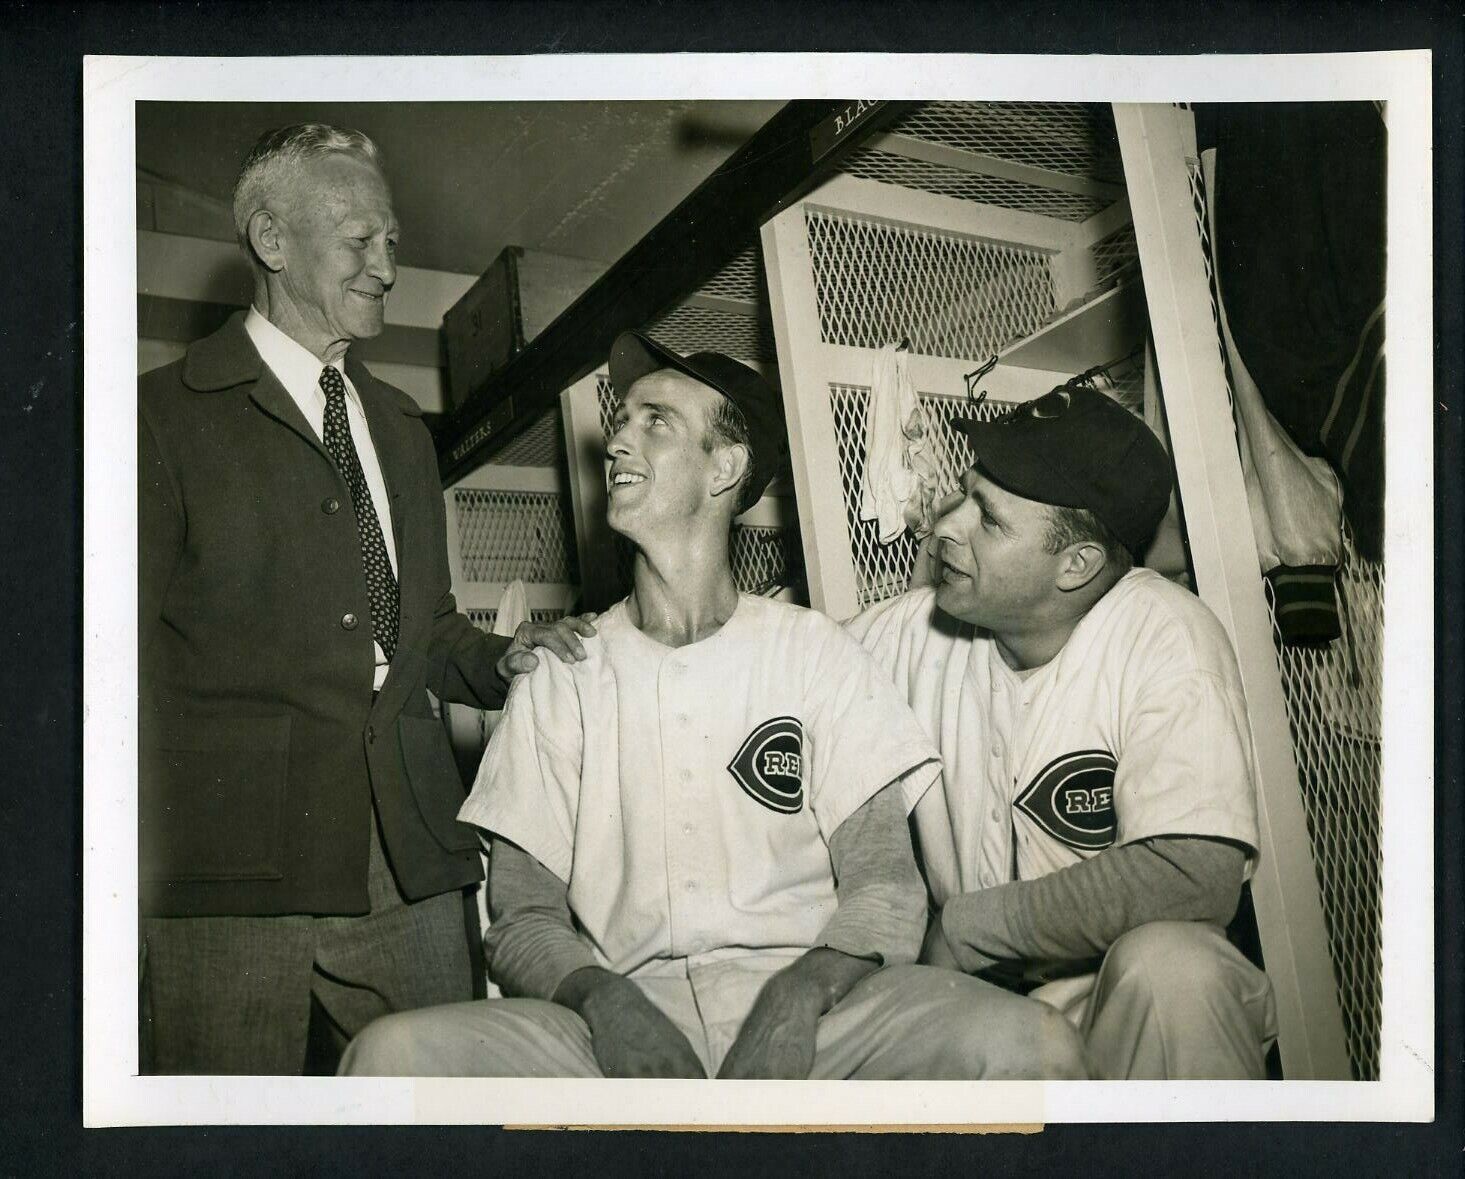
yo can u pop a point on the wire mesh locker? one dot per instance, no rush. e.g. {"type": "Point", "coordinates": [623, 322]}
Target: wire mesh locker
{"type": "Point", "coordinates": [973, 230]}
{"type": "Point", "coordinates": [1334, 696]}
{"type": "Point", "coordinates": [507, 535]}
{"type": "Point", "coordinates": [894, 249]}
{"type": "Point", "coordinates": [1334, 703]}
{"type": "Point", "coordinates": [510, 523]}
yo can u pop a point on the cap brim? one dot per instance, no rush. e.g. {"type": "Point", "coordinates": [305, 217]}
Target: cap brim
{"type": "Point", "coordinates": [636, 355]}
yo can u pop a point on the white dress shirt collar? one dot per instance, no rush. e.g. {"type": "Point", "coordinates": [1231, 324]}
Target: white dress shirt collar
{"type": "Point", "coordinates": [295, 366]}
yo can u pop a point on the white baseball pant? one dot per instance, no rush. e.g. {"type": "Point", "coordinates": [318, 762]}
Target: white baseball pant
{"type": "Point", "coordinates": [898, 1022]}
{"type": "Point", "coordinates": [1173, 1000]}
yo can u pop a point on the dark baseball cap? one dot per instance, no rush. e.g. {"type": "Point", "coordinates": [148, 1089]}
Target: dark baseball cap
{"type": "Point", "coordinates": [1074, 447]}
{"type": "Point", "coordinates": [635, 355]}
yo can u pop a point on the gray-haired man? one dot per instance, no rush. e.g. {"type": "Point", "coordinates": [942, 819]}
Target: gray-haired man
{"type": "Point", "coordinates": [296, 795]}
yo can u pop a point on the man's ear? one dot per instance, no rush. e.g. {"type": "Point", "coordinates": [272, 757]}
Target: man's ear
{"type": "Point", "coordinates": [732, 463]}
{"type": "Point", "coordinates": [265, 239]}
{"type": "Point", "coordinates": [1082, 561]}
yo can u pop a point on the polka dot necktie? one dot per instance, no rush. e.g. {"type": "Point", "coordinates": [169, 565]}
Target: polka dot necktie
{"type": "Point", "coordinates": [381, 584]}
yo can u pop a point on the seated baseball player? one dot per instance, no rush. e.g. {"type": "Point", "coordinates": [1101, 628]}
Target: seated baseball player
{"type": "Point", "coordinates": [701, 862]}
{"type": "Point", "coordinates": [1096, 816]}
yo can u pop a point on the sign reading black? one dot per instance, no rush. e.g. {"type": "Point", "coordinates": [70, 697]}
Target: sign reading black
{"type": "Point", "coordinates": [833, 129]}
{"type": "Point", "coordinates": [1072, 799]}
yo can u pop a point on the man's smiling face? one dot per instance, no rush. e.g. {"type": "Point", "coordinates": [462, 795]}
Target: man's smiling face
{"type": "Point", "coordinates": [661, 463]}
{"type": "Point", "coordinates": [339, 241]}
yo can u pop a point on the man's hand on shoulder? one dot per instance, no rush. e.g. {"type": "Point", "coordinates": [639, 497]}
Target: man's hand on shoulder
{"type": "Point", "coordinates": [562, 637]}
{"type": "Point", "coordinates": [628, 1034]}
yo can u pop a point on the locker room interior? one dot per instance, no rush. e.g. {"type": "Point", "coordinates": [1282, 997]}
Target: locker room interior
{"type": "Point", "coordinates": [986, 251]}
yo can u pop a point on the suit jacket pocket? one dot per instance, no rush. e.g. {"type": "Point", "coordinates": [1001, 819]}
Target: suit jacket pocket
{"type": "Point", "coordinates": [433, 778]}
{"type": "Point", "coordinates": [211, 795]}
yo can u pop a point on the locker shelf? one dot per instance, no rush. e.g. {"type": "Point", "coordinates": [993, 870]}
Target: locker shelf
{"type": "Point", "coordinates": [1108, 326]}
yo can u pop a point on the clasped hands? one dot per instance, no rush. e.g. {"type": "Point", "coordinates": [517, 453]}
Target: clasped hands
{"type": "Point", "coordinates": [631, 1037]}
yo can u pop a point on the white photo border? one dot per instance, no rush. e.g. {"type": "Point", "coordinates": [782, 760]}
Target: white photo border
{"type": "Point", "coordinates": [114, 1094]}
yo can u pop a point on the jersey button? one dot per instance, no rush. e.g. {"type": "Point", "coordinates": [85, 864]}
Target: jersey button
{"type": "Point", "coordinates": [330, 505]}
{"type": "Point", "coordinates": [997, 749]}
{"type": "Point", "coordinates": [348, 622]}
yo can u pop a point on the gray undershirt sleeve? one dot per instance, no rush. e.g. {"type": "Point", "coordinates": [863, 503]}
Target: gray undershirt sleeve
{"type": "Point", "coordinates": [882, 899]}
{"type": "Point", "coordinates": [531, 945]}
{"type": "Point", "coordinates": [1077, 913]}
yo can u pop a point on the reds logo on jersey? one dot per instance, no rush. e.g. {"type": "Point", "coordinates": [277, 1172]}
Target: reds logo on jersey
{"type": "Point", "coordinates": [769, 766]}
{"type": "Point", "coordinates": [1072, 799]}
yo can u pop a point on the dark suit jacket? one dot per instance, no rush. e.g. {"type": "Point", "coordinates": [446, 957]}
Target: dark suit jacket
{"type": "Point", "coordinates": [261, 747]}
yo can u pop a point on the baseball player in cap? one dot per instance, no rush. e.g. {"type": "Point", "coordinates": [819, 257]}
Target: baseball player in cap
{"type": "Point", "coordinates": [1096, 816]}
{"type": "Point", "coordinates": [701, 863]}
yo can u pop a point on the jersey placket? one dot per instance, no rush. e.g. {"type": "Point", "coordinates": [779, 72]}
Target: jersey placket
{"type": "Point", "coordinates": [1005, 739]}
{"type": "Point", "coordinates": [682, 740]}
{"type": "Point", "coordinates": [1026, 692]}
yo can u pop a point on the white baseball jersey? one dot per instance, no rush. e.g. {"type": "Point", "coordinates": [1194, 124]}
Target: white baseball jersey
{"type": "Point", "coordinates": [1137, 728]}
{"type": "Point", "coordinates": [687, 795]}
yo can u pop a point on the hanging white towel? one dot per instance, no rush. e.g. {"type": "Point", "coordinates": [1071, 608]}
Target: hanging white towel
{"type": "Point", "coordinates": [900, 462]}
{"type": "Point", "coordinates": [513, 609]}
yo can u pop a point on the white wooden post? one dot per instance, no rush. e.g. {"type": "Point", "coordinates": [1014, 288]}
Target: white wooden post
{"type": "Point", "coordinates": [455, 544]}
{"type": "Point", "coordinates": [814, 448]}
{"type": "Point", "coordinates": [1155, 141]}
{"type": "Point", "coordinates": [585, 448]}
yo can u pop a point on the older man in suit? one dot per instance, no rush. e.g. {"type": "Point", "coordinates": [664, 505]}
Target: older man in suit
{"type": "Point", "coordinates": [298, 839]}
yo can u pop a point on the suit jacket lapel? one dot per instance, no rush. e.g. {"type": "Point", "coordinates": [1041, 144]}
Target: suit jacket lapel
{"type": "Point", "coordinates": [392, 442]}
{"type": "Point", "coordinates": [228, 359]}
{"type": "Point", "coordinates": [272, 397]}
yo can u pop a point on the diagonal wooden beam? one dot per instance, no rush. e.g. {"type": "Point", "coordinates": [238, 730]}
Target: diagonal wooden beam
{"type": "Point", "coordinates": [791, 153]}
